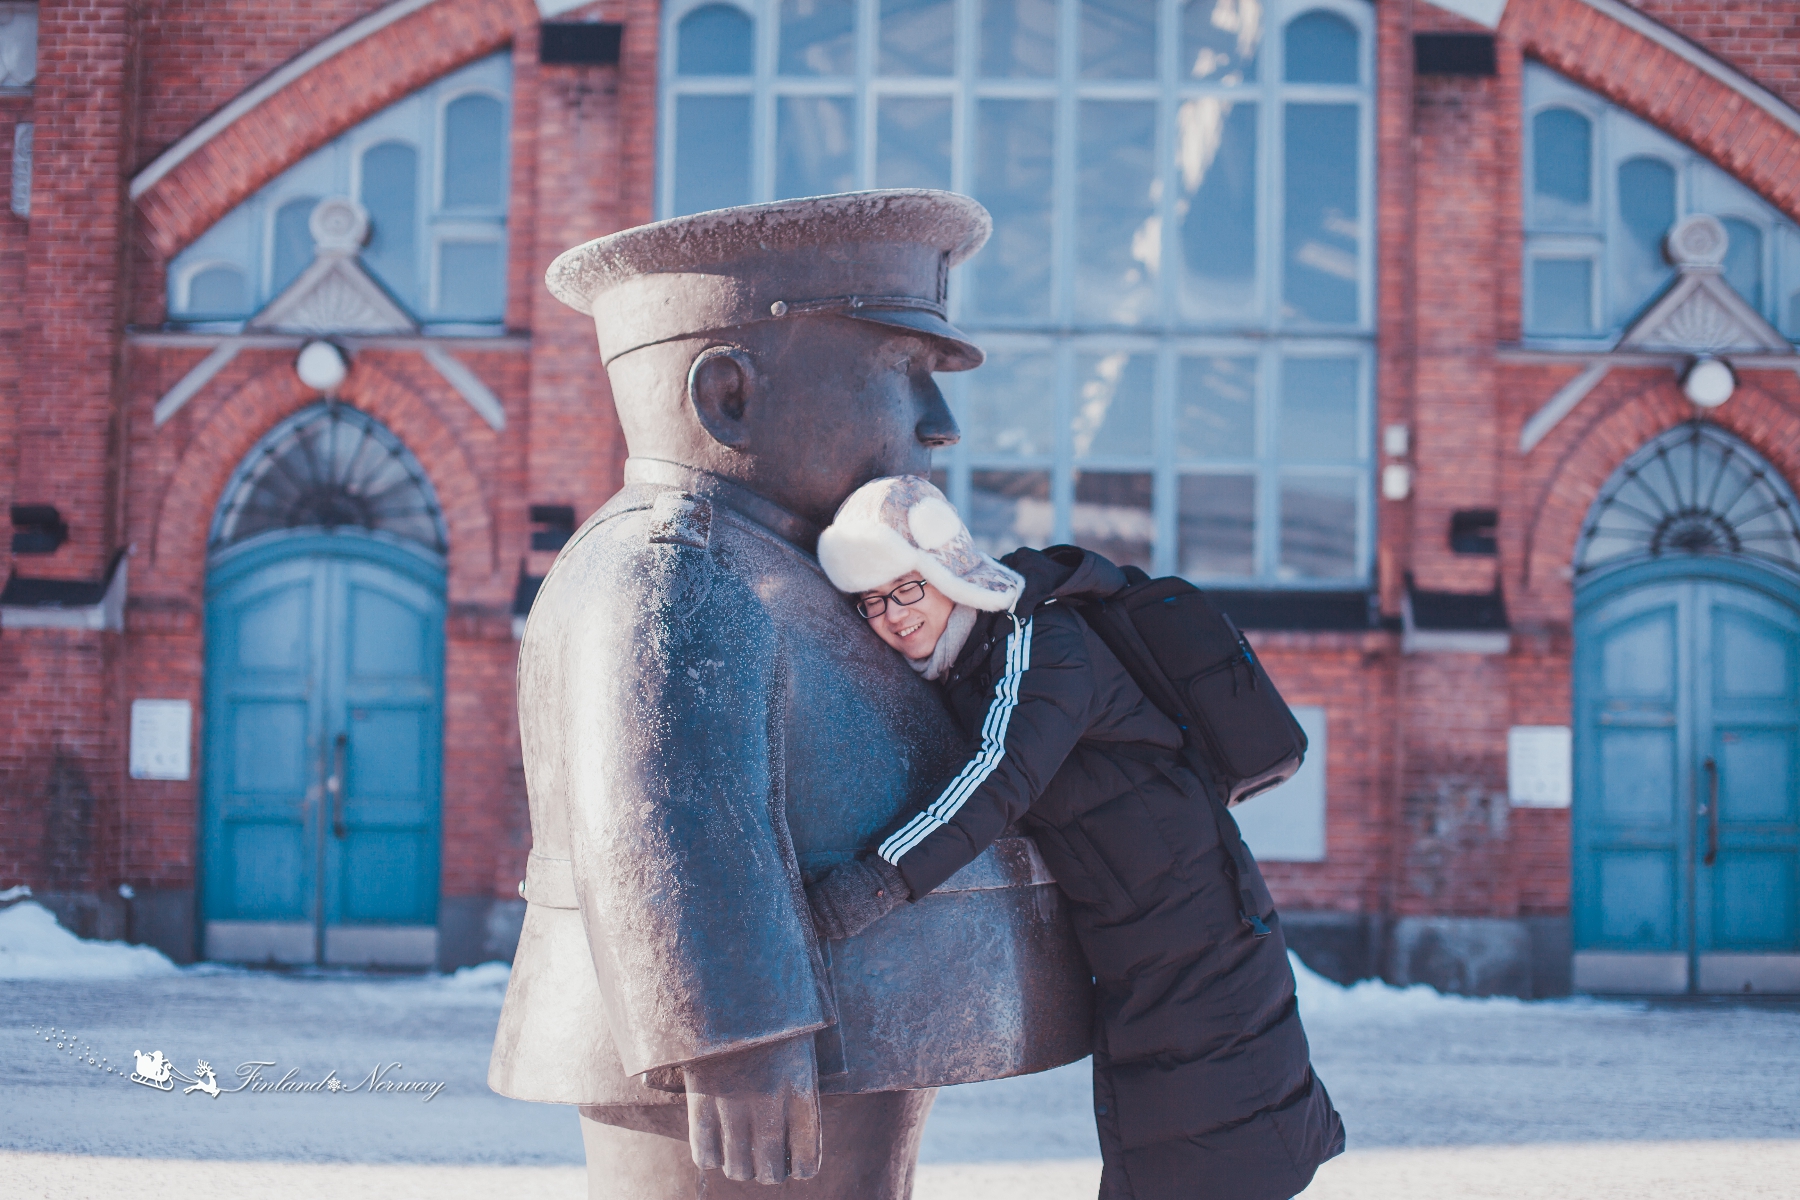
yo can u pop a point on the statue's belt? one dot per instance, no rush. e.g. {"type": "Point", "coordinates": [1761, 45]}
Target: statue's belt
{"type": "Point", "coordinates": [1011, 862]}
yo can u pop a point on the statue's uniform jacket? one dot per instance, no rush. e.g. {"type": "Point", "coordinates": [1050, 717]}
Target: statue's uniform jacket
{"type": "Point", "coordinates": [706, 726]}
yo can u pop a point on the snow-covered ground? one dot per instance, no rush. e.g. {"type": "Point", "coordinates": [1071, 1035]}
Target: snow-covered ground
{"type": "Point", "coordinates": [1442, 1096]}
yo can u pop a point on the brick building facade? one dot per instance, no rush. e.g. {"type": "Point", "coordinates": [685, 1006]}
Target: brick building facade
{"type": "Point", "coordinates": [1496, 427]}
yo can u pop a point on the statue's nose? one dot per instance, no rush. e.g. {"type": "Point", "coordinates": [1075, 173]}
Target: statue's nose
{"type": "Point", "coordinates": [937, 427]}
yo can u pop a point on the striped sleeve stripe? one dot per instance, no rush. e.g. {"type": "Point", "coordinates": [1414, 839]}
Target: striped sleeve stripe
{"type": "Point", "coordinates": [939, 812]}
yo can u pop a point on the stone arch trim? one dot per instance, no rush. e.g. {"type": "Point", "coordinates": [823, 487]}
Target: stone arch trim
{"type": "Point", "coordinates": [359, 71]}
{"type": "Point", "coordinates": [240, 420]}
{"type": "Point", "coordinates": [1762, 412]}
{"type": "Point", "coordinates": [1732, 126]}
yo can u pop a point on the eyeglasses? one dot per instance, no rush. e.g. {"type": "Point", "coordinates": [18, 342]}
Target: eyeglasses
{"type": "Point", "coordinates": [910, 592]}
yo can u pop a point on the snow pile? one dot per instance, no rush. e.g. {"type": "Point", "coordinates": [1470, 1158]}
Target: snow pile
{"type": "Point", "coordinates": [34, 946]}
{"type": "Point", "coordinates": [1321, 996]}
{"type": "Point", "coordinates": [487, 976]}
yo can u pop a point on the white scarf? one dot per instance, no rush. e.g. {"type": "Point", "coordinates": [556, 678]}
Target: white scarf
{"type": "Point", "coordinates": [937, 664]}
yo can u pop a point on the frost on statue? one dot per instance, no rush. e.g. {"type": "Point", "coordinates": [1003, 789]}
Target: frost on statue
{"type": "Point", "coordinates": [707, 726]}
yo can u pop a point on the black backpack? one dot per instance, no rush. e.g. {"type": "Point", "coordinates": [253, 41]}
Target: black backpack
{"type": "Point", "coordinates": [1191, 661]}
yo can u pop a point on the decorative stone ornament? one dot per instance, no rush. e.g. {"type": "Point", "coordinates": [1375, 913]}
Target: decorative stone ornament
{"type": "Point", "coordinates": [335, 294]}
{"type": "Point", "coordinates": [1700, 313]}
{"type": "Point", "coordinates": [1698, 242]}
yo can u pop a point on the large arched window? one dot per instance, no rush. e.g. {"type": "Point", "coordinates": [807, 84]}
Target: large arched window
{"type": "Point", "coordinates": [1177, 299]}
{"type": "Point", "coordinates": [432, 172]}
{"type": "Point", "coordinates": [1602, 189]}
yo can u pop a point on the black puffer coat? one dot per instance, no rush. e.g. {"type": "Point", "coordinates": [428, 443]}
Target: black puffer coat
{"type": "Point", "coordinates": [1202, 1080]}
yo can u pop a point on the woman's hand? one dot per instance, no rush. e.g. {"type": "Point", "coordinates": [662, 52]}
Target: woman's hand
{"type": "Point", "coordinates": [854, 896]}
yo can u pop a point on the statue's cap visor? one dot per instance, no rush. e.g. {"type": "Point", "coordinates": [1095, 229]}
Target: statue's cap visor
{"type": "Point", "coordinates": [958, 353]}
{"type": "Point", "coordinates": [879, 256]}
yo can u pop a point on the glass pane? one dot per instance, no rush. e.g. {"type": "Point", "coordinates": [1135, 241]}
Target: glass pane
{"type": "Point", "coordinates": [1216, 408]}
{"type": "Point", "coordinates": [1009, 509]}
{"type": "Point", "coordinates": [1112, 516]}
{"type": "Point", "coordinates": [1562, 295]}
{"type": "Point", "coordinates": [1018, 38]}
{"type": "Point", "coordinates": [1216, 520]}
{"type": "Point", "coordinates": [818, 37]}
{"type": "Point", "coordinates": [1013, 145]}
{"type": "Point", "coordinates": [1318, 417]}
{"type": "Point", "coordinates": [815, 153]}
{"type": "Point", "coordinates": [1220, 39]}
{"type": "Point", "coordinates": [1321, 48]}
{"type": "Point", "coordinates": [1215, 210]}
{"type": "Point", "coordinates": [1321, 239]}
{"type": "Point", "coordinates": [1647, 210]}
{"type": "Point", "coordinates": [1113, 405]}
{"type": "Point", "coordinates": [1012, 404]}
{"type": "Point", "coordinates": [1743, 260]}
{"type": "Point", "coordinates": [912, 142]}
{"type": "Point", "coordinates": [1118, 39]}
{"type": "Point", "coordinates": [918, 37]}
{"type": "Point", "coordinates": [1562, 166]}
{"type": "Point", "coordinates": [1318, 527]}
{"type": "Point", "coordinates": [294, 243]}
{"type": "Point", "coordinates": [474, 153]}
{"type": "Point", "coordinates": [390, 189]}
{"type": "Point", "coordinates": [471, 281]}
{"type": "Point", "coordinates": [218, 292]}
{"type": "Point", "coordinates": [1118, 241]}
{"type": "Point", "coordinates": [715, 40]}
{"type": "Point", "coordinates": [712, 153]}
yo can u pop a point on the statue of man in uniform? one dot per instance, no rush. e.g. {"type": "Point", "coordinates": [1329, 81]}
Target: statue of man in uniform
{"type": "Point", "coordinates": [707, 727]}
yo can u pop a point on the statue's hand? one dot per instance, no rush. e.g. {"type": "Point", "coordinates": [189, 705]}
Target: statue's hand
{"type": "Point", "coordinates": [755, 1112]}
{"type": "Point", "coordinates": [854, 896]}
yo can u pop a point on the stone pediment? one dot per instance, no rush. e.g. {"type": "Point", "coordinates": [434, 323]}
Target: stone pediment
{"type": "Point", "coordinates": [1700, 313]}
{"type": "Point", "coordinates": [335, 294]}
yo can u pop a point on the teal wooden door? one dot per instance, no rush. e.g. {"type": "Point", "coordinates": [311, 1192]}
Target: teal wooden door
{"type": "Point", "coordinates": [323, 752]}
{"type": "Point", "coordinates": [1687, 805]}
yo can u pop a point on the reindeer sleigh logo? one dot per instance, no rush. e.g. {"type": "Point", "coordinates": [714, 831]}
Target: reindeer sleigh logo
{"type": "Point", "coordinates": [156, 1071]}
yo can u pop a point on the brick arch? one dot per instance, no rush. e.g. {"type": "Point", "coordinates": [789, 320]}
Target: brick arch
{"type": "Point", "coordinates": [1762, 412]}
{"type": "Point", "coordinates": [213, 177]}
{"type": "Point", "coordinates": [240, 420]}
{"type": "Point", "coordinates": [1729, 125]}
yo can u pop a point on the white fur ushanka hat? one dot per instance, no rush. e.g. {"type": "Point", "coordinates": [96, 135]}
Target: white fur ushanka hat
{"type": "Point", "coordinates": [901, 523]}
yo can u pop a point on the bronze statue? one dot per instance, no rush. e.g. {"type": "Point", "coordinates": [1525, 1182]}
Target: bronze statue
{"type": "Point", "coordinates": [707, 726]}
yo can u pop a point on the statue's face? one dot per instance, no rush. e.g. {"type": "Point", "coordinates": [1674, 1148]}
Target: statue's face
{"type": "Point", "coordinates": [835, 403]}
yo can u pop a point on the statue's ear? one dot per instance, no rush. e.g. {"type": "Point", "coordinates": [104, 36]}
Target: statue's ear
{"type": "Point", "coordinates": [721, 383]}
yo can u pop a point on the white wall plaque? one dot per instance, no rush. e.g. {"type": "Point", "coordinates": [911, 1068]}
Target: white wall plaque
{"type": "Point", "coordinates": [1539, 766]}
{"type": "Point", "coordinates": [160, 733]}
{"type": "Point", "coordinates": [1288, 823]}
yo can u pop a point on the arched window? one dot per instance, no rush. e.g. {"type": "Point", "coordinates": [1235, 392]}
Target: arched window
{"type": "Point", "coordinates": [330, 467]}
{"type": "Point", "coordinates": [218, 292]}
{"type": "Point", "coordinates": [1693, 490]}
{"type": "Point", "coordinates": [1322, 48]}
{"type": "Point", "coordinates": [715, 39]}
{"type": "Point", "coordinates": [474, 153]}
{"type": "Point", "coordinates": [431, 169]}
{"type": "Point", "coordinates": [390, 191]}
{"type": "Point", "coordinates": [293, 248]}
{"type": "Point", "coordinates": [1743, 260]}
{"type": "Point", "coordinates": [1562, 166]}
{"type": "Point", "coordinates": [1182, 241]}
{"type": "Point", "coordinates": [1602, 191]}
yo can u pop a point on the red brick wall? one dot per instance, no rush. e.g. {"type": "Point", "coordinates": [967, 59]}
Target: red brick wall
{"type": "Point", "coordinates": [1761, 38]}
{"type": "Point", "coordinates": [1418, 821]}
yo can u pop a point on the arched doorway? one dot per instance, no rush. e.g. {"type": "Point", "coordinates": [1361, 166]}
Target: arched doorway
{"type": "Point", "coordinates": [1687, 724]}
{"type": "Point", "coordinates": [324, 700]}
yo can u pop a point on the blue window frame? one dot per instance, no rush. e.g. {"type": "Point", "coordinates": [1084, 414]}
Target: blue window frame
{"type": "Point", "coordinates": [431, 170]}
{"type": "Point", "coordinates": [1177, 301]}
